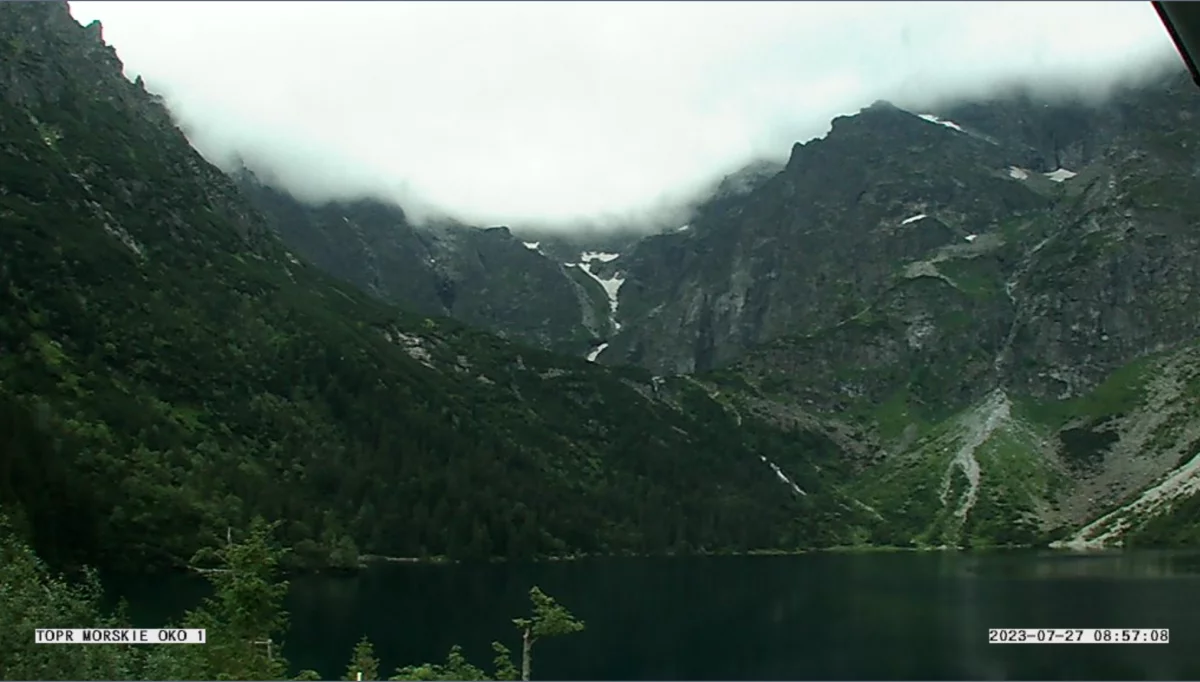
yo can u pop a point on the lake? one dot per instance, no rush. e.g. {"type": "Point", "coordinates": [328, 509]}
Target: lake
{"type": "Point", "coordinates": [878, 616]}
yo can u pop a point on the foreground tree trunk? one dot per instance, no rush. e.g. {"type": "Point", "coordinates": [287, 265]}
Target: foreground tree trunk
{"type": "Point", "coordinates": [527, 639]}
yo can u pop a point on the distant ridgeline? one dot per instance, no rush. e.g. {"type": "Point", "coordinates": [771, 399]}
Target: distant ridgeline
{"type": "Point", "coordinates": [963, 329]}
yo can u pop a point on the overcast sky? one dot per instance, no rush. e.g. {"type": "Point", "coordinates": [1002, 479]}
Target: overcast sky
{"type": "Point", "coordinates": [509, 113]}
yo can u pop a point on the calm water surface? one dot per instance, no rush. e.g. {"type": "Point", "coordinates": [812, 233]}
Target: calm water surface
{"type": "Point", "coordinates": [820, 616]}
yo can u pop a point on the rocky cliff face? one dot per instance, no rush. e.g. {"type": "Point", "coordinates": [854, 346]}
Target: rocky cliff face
{"type": "Point", "coordinates": [487, 277]}
{"type": "Point", "coordinates": [888, 196]}
{"type": "Point", "coordinates": [980, 213]}
{"type": "Point", "coordinates": [551, 288]}
{"type": "Point", "coordinates": [819, 241]}
{"type": "Point", "coordinates": [1038, 372]}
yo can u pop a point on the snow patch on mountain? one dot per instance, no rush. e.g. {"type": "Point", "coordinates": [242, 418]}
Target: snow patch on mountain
{"type": "Point", "coordinates": [595, 352]}
{"type": "Point", "coordinates": [919, 216]}
{"type": "Point", "coordinates": [942, 122]}
{"type": "Point", "coordinates": [1060, 174]}
{"type": "Point", "coordinates": [782, 476]}
{"type": "Point", "coordinates": [611, 285]}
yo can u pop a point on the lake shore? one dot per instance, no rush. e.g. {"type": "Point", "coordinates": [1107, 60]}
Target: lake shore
{"type": "Point", "coordinates": [366, 561]}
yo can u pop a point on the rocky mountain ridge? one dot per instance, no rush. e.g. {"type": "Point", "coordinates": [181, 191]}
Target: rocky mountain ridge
{"type": "Point", "coordinates": [485, 277]}
{"type": "Point", "coordinates": [920, 331]}
{"type": "Point", "coordinates": [476, 274]}
{"type": "Point", "coordinates": [910, 272]}
{"type": "Point", "coordinates": [1038, 372]}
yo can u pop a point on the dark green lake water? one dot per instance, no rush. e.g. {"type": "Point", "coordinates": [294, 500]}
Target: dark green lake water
{"type": "Point", "coordinates": [819, 616]}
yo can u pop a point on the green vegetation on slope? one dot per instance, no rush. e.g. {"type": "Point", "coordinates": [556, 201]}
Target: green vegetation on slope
{"type": "Point", "coordinates": [1176, 526]}
{"type": "Point", "coordinates": [926, 497]}
{"type": "Point", "coordinates": [168, 372]}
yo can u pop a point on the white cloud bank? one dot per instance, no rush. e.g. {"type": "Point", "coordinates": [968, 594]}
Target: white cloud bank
{"type": "Point", "coordinates": [519, 112]}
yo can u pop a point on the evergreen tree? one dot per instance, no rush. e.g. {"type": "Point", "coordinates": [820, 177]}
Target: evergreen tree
{"type": "Point", "coordinates": [549, 619]}
{"type": "Point", "coordinates": [363, 664]}
{"type": "Point", "coordinates": [31, 597]}
{"type": "Point", "coordinates": [244, 618]}
{"type": "Point", "coordinates": [456, 668]}
{"type": "Point", "coordinates": [505, 670]}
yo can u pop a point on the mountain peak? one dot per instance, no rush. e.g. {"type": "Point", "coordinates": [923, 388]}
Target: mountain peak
{"type": "Point", "coordinates": [95, 30]}
{"type": "Point", "coordinates": [881, 119]}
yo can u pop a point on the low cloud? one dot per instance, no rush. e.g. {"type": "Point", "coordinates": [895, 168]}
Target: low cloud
{"type": "Point", "coordinates": [582, 112]}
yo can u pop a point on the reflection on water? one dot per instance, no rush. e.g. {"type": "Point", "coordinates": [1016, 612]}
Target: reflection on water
{"type": "Point", "coordinates": [1058, 565]}
{"type": "Point", "coordinates": [851, 616]}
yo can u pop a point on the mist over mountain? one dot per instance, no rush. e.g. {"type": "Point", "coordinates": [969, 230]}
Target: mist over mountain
{"type": "Point", "coordinates": [595, 113]}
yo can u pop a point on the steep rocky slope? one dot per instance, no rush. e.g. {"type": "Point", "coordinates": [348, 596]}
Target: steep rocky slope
{"type": "Point", "coordinates": [816, 243]}
{"type": "Point", "coordinates": [1038, 372]}
{"type": "Point", "coordinates": [487, 278]}
{"type": "Point", "coordinates": [554, 288]}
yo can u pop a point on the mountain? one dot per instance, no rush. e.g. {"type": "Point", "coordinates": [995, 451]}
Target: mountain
{"type": "Point", "coordinates": [815, 243]}
{"type": "Point", "coordinates": [170, 369]}
{"type": "Point", "coordinates": [551, 288]}
{"type": "Point", "coordinates": [974, 299]}
{"type": "Point", "coordinates": [1015, 338]}
{"type": "Point", "coordinates": [973, 326]}
{"type": "Point", "coordinates": [487, 278]}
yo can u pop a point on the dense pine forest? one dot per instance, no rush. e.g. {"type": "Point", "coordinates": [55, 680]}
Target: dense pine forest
{"type": "Point", "coordinates": [170, 371]}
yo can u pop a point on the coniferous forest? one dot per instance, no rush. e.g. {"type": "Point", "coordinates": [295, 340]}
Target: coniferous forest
{"type": "Point", "coordinates": [169, 371]}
